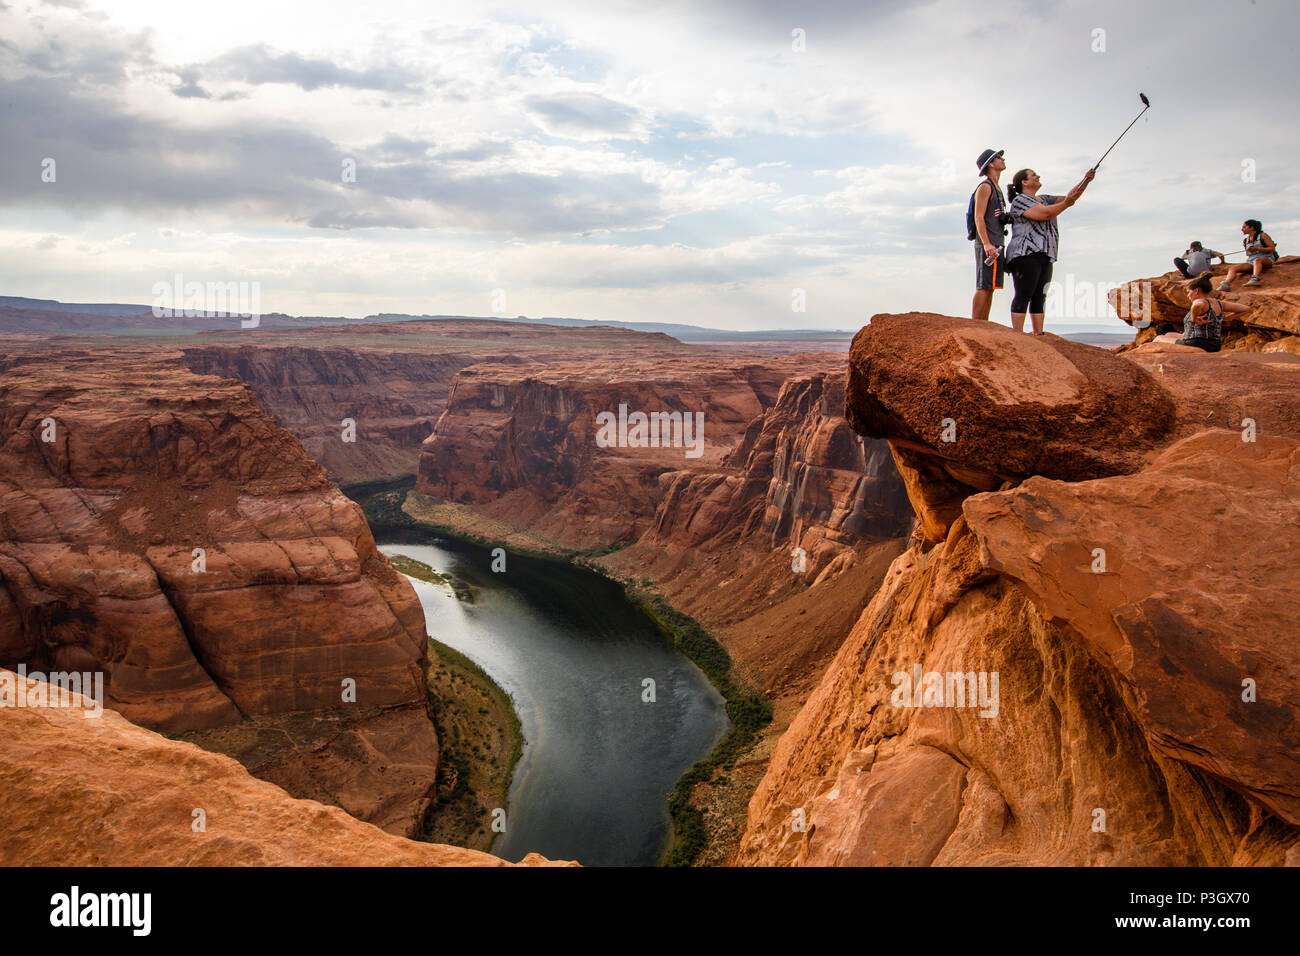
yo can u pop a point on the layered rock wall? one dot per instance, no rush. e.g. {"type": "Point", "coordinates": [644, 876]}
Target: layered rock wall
{"type": "Point", "coordinates": [523, 443]}
{"type": "Point", "coordinates": [781, 545]}
{"type": "Point", "coordinates": [392, 396]}
{"type": "Point", "coordinates": [158, 528]}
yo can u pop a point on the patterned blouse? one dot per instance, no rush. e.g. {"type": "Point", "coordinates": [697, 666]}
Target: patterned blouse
{"type": "Point", "coordinates": [1030, 235]}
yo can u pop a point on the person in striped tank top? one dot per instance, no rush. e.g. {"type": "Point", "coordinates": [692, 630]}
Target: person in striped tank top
{"type": "Point", "coordinates": [1032, 249]}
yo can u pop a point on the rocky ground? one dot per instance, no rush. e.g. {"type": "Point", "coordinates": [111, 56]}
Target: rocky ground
{"type": "Point", "coordinates": [83, 792]}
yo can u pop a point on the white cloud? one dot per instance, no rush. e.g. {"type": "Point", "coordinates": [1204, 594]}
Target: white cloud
{"type": "Point", "coordinates": [709, 165]}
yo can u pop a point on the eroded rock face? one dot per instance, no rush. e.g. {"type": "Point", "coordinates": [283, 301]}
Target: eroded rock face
{"type": "Point", "coordinates": [392, 396]}
{"type": "Point", "coordinates": [859, 780]}
{"type": "Point", "coordinates": [798, 466]}
{"type": "Point", "coordinates": [158, 527]}
{"type": "Point", "coordinates": [1188, 603]}
{"type": "Point", "coordinates": [77, 791]}
{"type": "Point", "coordinates": [389, 380]}
{"type": "Point", "coordinates": [521, 442]}
{"type": "Point", "coordinates": [1119, 733]}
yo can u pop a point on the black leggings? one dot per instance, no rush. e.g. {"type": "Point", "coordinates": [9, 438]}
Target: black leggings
{"type": "Point", "coordinates": [1031, 275]}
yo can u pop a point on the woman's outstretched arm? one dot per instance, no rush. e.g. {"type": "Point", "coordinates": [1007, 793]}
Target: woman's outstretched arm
{"type": "Point", "coordinates": [1041, 213]}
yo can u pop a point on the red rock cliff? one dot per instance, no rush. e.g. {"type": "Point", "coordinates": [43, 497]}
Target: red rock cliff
{"type": "Point", "coordinates": [1145, 710]}
{"type": "Point", "coordinates": [114, 469]}
{"type": "Point", "coordinates": [520, 442]}
{"type": "Point", "coordinates": [723, 542]}
{"type": "Point", "coordinates": [394, 396]}
{"type": "Point", "coordinates": [391, 379]}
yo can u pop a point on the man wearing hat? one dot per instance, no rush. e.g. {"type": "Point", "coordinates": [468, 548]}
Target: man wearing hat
{"type": "Point", "coordinates": [990, 238]}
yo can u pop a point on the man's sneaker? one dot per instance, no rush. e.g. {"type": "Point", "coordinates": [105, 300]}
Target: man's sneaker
{"type": "Point", "coordinates": [1223, 286]}
{"type": "Point", "coordinates": [1253, 280]}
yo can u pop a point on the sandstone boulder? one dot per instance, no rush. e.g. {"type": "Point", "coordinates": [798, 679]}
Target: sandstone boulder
{"type": "Point", "coordinates": [968, 405]}
{"type": "Point", "coordinates": [1275, 303]}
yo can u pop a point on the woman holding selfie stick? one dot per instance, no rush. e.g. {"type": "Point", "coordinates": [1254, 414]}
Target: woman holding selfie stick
{"type": "Point", "coordinates": [1032, 248]}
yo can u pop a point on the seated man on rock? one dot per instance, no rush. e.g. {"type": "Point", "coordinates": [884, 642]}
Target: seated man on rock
{"type": "Point", "coordinates": [1203, 323]}
{"type": "Point", "coordinates": [1197, 260]}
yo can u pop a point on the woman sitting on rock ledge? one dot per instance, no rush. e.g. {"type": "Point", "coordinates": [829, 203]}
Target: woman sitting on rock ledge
{"type": "Point", "coordinates": [1203, 324]}
{"type": "Point", "coordinates": [1261, 253]}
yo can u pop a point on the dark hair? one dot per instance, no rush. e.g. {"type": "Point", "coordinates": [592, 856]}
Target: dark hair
{"type": "Point", "coordinates": [1201, 283]}
{"type": "Point", "coordinates": [1197, 245]}
{"type": "Point", "coordinates": [1256, 225]}
{"type": "Point", "coordinates": [1014, 188]}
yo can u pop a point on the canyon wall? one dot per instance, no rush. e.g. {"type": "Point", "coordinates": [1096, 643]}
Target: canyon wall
{"type": "Point", "coordinates": [1091, 662]}
{"type": "Point", "coordinates": [393, 396]}
{"type": "Point", "coordinates": [157, 527]}
{"type": "Point", "coordinates": [779, 546]}
{"type": "Point", "coordinates": [390, 379]}
{"type": "Point", "coordinates": [519, 442]}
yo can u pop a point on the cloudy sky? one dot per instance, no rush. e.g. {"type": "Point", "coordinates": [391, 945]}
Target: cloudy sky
{"type": "Point", "coordinates": [692, 161]}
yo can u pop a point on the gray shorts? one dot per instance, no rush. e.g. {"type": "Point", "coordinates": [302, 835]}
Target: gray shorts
{"type": "Point", "coordinates": [989, 276]}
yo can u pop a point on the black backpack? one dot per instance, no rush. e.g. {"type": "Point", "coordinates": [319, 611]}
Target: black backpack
{"type": "Point", "coordinates": [995, 196]}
